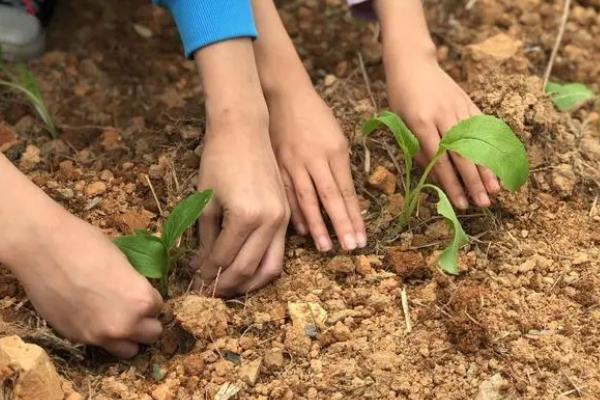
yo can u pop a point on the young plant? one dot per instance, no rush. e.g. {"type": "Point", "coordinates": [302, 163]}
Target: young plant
{"type": "Point", "coordinates": [482, 139]}
{"type": "Point", "coordinates": [153, 257]}
{"type": "Point", "coordinates": [25, 83]}
{"type": "Point", "coordinates": [569, 97]}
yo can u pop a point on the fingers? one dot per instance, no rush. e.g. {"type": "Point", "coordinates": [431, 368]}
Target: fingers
{"type": "Point", "coordinates": [298, 219]}
{"type": "Point", "coordinates": [147, 331]}
{"type": "Point", "coordinates": [270, 266]}
{"type": "Point", "coordinates": [238, 224]}
{"type": "Point", "coordinates": [444, 170]}
{"type": "Point", "coordinates": [121, 348]}
{"type": "Point", "coordinates": [243, 268]}
{"type": "Point", "coordinates": [309, 205]}
{"type": "Point", "coordinates": [340, 166]}
{"type": "Point", "coordinates": [157, 304]}
{"type": "Point", "coordinates": [209, 226]}
{"type": "Point", "coordinates": [334, 204]}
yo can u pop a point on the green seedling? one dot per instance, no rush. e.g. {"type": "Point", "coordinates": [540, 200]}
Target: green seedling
{"type": "Point", "coordinates": [569, 97]}
{"type": "Point", "coordinates": [153, 256]}
{"type": "Point", "coordinates": [482, 139]}
{"type": "Point", "coordinates": [23, 81]}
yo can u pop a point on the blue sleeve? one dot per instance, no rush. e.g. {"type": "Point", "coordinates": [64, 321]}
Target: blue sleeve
{"type": "Point", "coordinates": [203, 22]}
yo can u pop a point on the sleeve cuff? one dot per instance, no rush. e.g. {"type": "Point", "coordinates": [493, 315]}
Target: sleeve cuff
{"type": "Point", "coordinates": [204, 22]}
{"type": "Point", "coordinates": [362, 9]}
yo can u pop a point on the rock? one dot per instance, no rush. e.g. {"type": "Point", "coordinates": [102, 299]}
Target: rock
{"type": "Point", "coordinates": [408, 264]}
{"type": "Point", "coordinates": [274, 359]}
{"type": "Point", "coordinates": [439, 230]}
{"type": "Point", "coordinates": [497, 51]}
{"type": "Point", "coordinates": [341, 265]}
{"type": "Point", "coordinates": [166, 390]}
{"type": "Point", "coordinates": [564, 179]}
{"type": "Point", "coordinates": [307, 317]}
{"type": "Point", "coordinates": [250, 370]}
{"type": "Point", "coordinates": [132, 221]}
{"type": "Point", "coordinates": [329, 80]}
{"type": "Point", "coordinates": [227, 391]}
{"type": "Point", "coordinates": [30, 158]}
{"type": "Point", "coordinates": [590, 146]}
{"type": "Point", "coordinates": [395, 204]}
{"type": "Point", "coordinates": [8, 138]}
{"type": "Point", "coordinates": [143, 31]}
{"type": "Point", "coordinates": [37, 378]}
{"type": "Point", "coordinates": [363, 264]}
{"type": "Point", "coordinates": [491, 389]}
{"type": "Point", "coordinates": [341, 332]}
{"type": "Point", "coordinates": [203, 317]}
{"type": "Point", "coordinates": [111, 139]}
{"type": "Point", "coordinates": [193, 364]}
{"type": "Point", "coordinates": [74, 396]}
{"type": "Point", "coordinates": [95, 188]}
{"type": "Point", "coordinates": [383, 180]}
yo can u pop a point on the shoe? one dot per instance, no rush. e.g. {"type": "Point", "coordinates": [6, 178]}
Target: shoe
{"type": "Point", "coordinates": [22, 35]}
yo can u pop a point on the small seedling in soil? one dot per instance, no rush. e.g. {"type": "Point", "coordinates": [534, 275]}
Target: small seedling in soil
{"type": "Point", "coordinates": [482, 139]}
{"type": "Point", "coordinates": [23, 81]}
{"type": "Point", "coordinates": [154, 257]}
{"type": "Point", "coordinates": [569, 97]}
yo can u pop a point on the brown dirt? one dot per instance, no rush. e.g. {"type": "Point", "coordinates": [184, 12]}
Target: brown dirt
{"type": "Point", "coordinates": [525, 310]}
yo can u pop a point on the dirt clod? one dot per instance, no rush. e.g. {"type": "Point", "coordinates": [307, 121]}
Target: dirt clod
{"type": "Point", "coordinates": [408, 264]}
{"type": "Point", "coordinates": [37, 378]}
{"type": "Point", "coordinates": [383, 179]}
{"type": "Point", "coordinates": [204, 317]}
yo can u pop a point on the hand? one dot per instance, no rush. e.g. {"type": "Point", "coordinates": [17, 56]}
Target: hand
{"type": "Point", "coordinates": [313, 157]}
{"type": "Point", "coordinates": [242, 231]}
{"type": "Point", "coordinates": [74, 276]}
{"type": "Point", "coordinates": [431, 103]}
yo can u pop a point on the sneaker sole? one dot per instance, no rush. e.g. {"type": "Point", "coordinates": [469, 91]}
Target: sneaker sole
{"type": "Point", "coordinates": [23, 52]}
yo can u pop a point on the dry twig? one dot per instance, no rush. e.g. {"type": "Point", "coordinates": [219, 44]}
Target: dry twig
{"type": "Point", "coordinates": [561, 32]}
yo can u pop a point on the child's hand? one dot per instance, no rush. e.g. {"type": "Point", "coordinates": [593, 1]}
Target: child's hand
{"type": "Point", "coordinates": [431, 103]}
{"type": "Point", "coordinates": [242, 231]}
{"type": "Point", "coordinates": [313, 157]}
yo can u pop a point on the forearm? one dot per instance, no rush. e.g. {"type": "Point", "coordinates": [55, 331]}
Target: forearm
{"type": "Point", "coordinates": [404, 30]}
{"type": "Point", "coordinates": [231, 82]}
{"type": "Point", "coordinates": [279, 65]}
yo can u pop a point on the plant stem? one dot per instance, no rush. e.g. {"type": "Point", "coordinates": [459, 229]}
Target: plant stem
{"type": "Point", "coordinates": [412, 198]}
{"type": "Point", "coordinates": [164, 285]}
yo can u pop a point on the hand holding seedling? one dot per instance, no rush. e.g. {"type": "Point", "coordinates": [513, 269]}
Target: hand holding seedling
{"type": "Point", "coordinates": [482, 139]}
{"type": "Point", "coordinates": [429, 100]}
{"type": "Point", "coordinates": [74, 276]}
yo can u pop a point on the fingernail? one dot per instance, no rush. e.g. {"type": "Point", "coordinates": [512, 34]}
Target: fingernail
{"type": "Point", "coordinates": [323, 243]}
{"type": "Point", "coordinates": [301, 229]}
{"type": "Point", "coordinates": [462, 203]}
{"type": "Point", "coordinates": [484, 200]}
{"type": "Point", "coordinates": [349, 242]}
{"type": "Point", "coordinates": [361, 238]}
{"type": "Point", "coordinates": [495, 185]}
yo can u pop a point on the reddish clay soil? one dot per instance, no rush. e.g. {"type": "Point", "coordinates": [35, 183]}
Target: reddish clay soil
{"type": "Point", "coordinates": [522, 321]}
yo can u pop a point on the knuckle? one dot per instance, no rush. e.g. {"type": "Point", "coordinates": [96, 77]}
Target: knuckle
{"type": "Point", "coordinates": [348, 193]}
{"type": "Point", "coordinates": [247, 216]}
{"type": "Point", "coordinates": [305, 195]}
{"type": "Point", "coordinates": [114, 331]}
{"type": "Point", "coordinates": [273, 273]}
{"type": "Point", "coordinates": [328, 192]}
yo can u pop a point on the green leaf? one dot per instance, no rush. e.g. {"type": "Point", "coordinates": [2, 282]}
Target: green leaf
{"type": "Point", "coordinates": [146, 253]}
{"type": "Point", "coordinates": [489, 141]}
{"type": "Point", "coordinates": [406, 140]}
{"type": "Point", "coordinates": [183, 216]}
{"type": "Point", "coordinates": [448, 258]}
{"type": "Point", "coordinates": [569, 97]}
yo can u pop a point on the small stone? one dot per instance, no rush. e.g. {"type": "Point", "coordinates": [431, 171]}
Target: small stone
{"type": "Point", "coordinates": [492, 388]}
{"type": "Point", "coordinates": [30, 158]}
{"type": "Point", "coordinates": [590, 146]}
{"type": "Point", "coordinates": [166, 390]}
{"type": "Point", "coordinates": [580, 258]}
{"type": "Point", "coordinates": [106, 175]}
{"type": "Point", "coordinates": [227, 391]}
{"type": "Point", "coordinates": [143, 31]}
{"type": "Point", "coordinates": [74, 396]}
{"type": "Point", "coordinates": [133, 221]}
{"type": "Point", "coordinates": [307, 315]}
{"type": "Point", "coordinates": [564, 179]}
{"type": "Point", "coordinates": [155, 171]}
{"type": "Point", "coordinates": [193, 364]}
{"type": "Point", "coordinates": [274, 359]}
{"type": "Point", "coordinates": [250, 370]}
{"type": "Point", "coordinates": [37, 378]}
{"type": "Point", "coordinates": [395, 204]}
{"type": "Point", "coordinates": [8, 138]}
{"type": "Point", "coordinates": [95, 188]}
{"type": "Point", "coordinates": [111, 139]}
{"type": "Point", "coordinates": [203, 317]}
{"type": "Point", "coordinates": [383, 180]}
{"type": "Point", "coordinates": [329, 80]}
{"type": "Point", "coordinates": [341, 332]}
{"type": "Point", "coordinates": [407, 264]}
{"type": "Point", "coordinates": [363, 265]}
{"type": "Point", "coordinates": [341, 265]}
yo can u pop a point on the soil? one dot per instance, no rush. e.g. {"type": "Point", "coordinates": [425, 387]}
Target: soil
{"type": "Point", "coordinates": [522, 321]}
